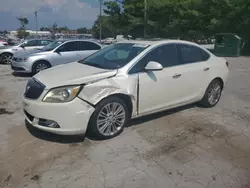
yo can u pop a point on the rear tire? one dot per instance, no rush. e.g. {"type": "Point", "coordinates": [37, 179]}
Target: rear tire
{"type": "Point", "coordinates": [40, 66]}
{"type": "Point", "coordinates": [5, 58]}
{"type": "Point", "coordinates": [212, 94]}
{"type": "Point", "coordinates": [109, 118]}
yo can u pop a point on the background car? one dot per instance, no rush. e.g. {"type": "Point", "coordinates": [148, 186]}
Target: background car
{"type": "Point", "coordinates": [109, 41]}
{"type": "Point", "coordinates": [56, 53]}
{"type": "Point", "coordinates": [7, 53]}
{"type": "Point", "coordinates": [3, 43]}
{"type": "Point", "coordinates": [128, 79]}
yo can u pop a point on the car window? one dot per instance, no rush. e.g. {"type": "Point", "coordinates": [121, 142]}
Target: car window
{"type": "Point", "coordinates": [192, 54]}
{"type": "Point", "coordinates": [85, 45]}
{"type": "Point", "coordinates": [31, 43]}
{"type": "Point", "coordinates": [117, 54]}
{"type": "Point", "coordinates": [68, 47]}
{"type": "Point", "coordinates": [43, 42]}
{"type": "Point", "coordinates": [166, 55]}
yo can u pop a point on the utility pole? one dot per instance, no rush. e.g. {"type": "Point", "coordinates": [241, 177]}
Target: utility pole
{"type": "Point", "coordinates": [36, 22]}
{"type": "Point", "coordinates": [100, 21]}
{"type": "Point", "coordinates": [145, 17]}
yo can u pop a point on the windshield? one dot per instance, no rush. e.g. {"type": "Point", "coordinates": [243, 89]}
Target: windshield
{"type": "Point", "coordinates": [52, 46]}
{"type": "Point", "coordinates": [114, 56]}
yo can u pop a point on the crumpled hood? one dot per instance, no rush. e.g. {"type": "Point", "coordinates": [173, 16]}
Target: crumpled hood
{"type": "Point", "coordinates": [72, 74]}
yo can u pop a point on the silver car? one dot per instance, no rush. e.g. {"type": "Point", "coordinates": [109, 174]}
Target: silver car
{"type": "Point", "coordinates": [6, 53]}
{"type": "Point", "coordinates": [56, 53]}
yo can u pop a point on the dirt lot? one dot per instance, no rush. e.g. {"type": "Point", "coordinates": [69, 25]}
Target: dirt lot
{"type": "Point", "coordinates": [190, 147]}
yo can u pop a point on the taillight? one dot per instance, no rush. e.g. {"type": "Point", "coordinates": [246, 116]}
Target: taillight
{"type": "Point", "coordinates": [227, 64]}
{"type": "Point", "coordinates": [5, 44]}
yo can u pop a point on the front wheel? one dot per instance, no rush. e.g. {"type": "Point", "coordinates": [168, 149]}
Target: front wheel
{"type": "Point", "coordinates": [40, 66]}
{"type": "Point", "coordinates": [213, 94]}
{"type": "Point", "coordinates": [109, 118]}
{"type": "Point", "coordinates": [6, 58]}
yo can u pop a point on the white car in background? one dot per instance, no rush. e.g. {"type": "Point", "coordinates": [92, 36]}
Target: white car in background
{"type": "Point", "coordinates": [109, 41]}
{"type": "Point", "coordinates": [3, 43]}
{"type": "Point", "coordinates": [122, 81]}
{"type": "Point", "coordinates": [6, 53]}
{"type": "Point", "coordinates": [56, 53]}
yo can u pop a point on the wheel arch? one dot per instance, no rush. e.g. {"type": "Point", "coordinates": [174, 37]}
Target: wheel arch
{"type": "Point", "coordinates": [221, 81]}
{"type": "Point", "coordinates": [126, 98]}
{"type": "Point", "coordinates": [41, 60]}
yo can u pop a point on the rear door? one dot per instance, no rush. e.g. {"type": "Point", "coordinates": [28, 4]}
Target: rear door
{"type": "Point", "coordinates": [87, 48]}
{"type": "Point", "coordinates": [194, 71]}
{"type": "Point", "coordinates": [66, 53]}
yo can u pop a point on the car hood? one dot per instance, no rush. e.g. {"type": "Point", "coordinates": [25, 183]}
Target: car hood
{"type": "Point", "coordinates": [30, 53]}
{"type": "Point", "coordinates": [72, 74]}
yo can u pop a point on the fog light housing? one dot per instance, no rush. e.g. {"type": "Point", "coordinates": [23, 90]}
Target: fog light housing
{"type": "Point", "coordinates": [48, 123]}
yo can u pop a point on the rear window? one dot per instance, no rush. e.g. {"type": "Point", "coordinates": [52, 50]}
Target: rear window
{"type": "Point", "coordinates": [192, 54]}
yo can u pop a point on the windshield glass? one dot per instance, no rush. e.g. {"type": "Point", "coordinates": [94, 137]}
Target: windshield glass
{"type": "Point", "coordinates": [114, 56]}
{"type": "Point", "coordinates": [52, 46]}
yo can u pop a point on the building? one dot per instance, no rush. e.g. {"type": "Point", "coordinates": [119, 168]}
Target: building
{"type": "Point", "coordinates": [31, 32]}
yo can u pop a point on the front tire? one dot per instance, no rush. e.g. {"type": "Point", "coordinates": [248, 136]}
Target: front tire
{"type": "Point", "coordinates": [212, 95]}
{"type": "Point", "coordinates": [40, 66]}
{"type": "Point", "coordinates": [6, 58]}
{"type": "Point", "coordinates": [109, 118]}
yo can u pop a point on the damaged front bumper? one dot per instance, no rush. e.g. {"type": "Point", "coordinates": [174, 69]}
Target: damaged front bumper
{"type": "Point", "coordinates": [69, 118]}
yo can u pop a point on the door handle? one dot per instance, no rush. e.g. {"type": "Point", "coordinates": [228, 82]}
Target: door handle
{"type": "Point", "coordinates": [206, 69]}
{"type": "Point", "coordinates": [177, 76]}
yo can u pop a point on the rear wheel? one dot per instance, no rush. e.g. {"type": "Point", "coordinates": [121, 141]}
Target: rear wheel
{"type": "Point", "coordinates": [40, 66]}
{"type": "Point", "coordinates": [6, 58]}
{"type": "Point", "coordinates": [109, 118]}
{"type": "Point", "coordinates": [213, 94]}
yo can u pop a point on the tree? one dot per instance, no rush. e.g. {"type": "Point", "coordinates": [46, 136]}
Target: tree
{"type": "Point", "coordinates": [83, 30]}
{"type": "Point", "coordinates": [23, 21]}
{"type": "Point", "coordinates": [22, 34]}
{"type": "Point", "coordinates": [186, 19]}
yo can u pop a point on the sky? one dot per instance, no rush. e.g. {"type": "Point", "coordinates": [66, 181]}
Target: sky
{"type": "Point", "coordinates": [71, 13]}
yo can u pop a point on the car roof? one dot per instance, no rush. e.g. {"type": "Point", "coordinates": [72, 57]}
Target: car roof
{"type": "Point", "coordinates": [157, 42]}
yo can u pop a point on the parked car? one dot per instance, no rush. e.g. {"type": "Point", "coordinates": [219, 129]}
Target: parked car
{"type": "Point", "coordinates": [3, 43]}
{"type": "Point", "coordinates": [122, 81]}
{"type": "Point", "coordinates": [7, 53]}
{"type": "Point", "coordinates": [109, 41]}
{"type": "Point", "coordinates": [59, 52]}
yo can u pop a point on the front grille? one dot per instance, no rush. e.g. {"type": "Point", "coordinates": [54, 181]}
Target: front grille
{"type": "Point", "coordinates": [28, 115]}
{"type": "Point", "coordinates": [33, 89]}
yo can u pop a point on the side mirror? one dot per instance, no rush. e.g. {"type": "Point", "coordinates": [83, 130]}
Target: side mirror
{"type": "Point", "coordinates": [57, 51]}
{"type": "Point", "coordinates": [22, 46]}
{"type": "Point", "coordinates": [153, 66]}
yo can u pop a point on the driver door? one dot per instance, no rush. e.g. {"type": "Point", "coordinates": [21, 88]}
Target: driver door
{"type": "Point", "coordinates": [157, 89]}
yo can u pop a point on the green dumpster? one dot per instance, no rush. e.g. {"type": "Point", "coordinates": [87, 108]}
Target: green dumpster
{"type": "Point", "coordinates": [228, 45]}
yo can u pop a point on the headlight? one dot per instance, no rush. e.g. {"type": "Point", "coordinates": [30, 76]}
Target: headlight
{"type": "Point", "coordinates": [62, 94]}
{"type": "Point", "coordinates": [20, 59]}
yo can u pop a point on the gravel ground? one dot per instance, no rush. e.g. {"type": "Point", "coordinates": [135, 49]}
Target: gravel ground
{"type": "Point", "coordinates": [187, 147]}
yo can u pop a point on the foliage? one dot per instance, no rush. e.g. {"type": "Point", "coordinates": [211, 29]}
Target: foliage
{"type": "Point", "coordinates": [22, 33]}
{"type": "Point", "coordinates": [23, 21]}
{"type": "Point", "coordinates": [83, 30]}
{"type": "Point", "coordinates": [175, 18]}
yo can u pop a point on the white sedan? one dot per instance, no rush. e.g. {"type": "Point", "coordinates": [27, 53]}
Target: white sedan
{"type": "Point", "coordinates": [122, 81]}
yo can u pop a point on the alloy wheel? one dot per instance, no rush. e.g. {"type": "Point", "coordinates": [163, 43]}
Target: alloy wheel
{"type": "Point", "coordinates": [111, 119]}
{"type": "Point", "coordinates": [214, 93]}
{"type": "Point", "coordinates": [41, 67]}
{"type": "Point", "coordinates": [7, 58]}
